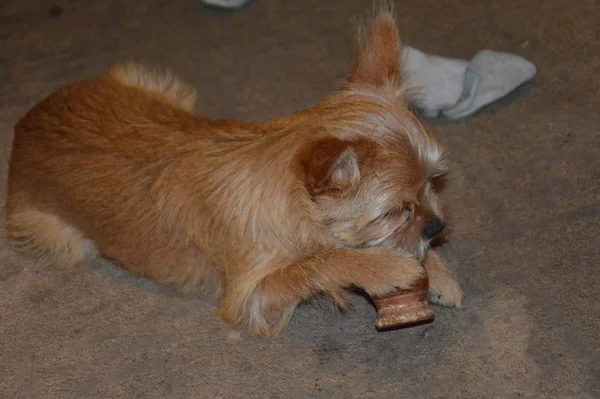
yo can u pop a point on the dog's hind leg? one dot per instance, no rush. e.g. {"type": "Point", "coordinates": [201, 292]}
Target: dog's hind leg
{"type": "Point", "coordinates": [46, 238]}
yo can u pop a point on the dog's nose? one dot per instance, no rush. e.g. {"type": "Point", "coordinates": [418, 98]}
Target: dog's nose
{"type": "Point", "coordinates": [433, 227]}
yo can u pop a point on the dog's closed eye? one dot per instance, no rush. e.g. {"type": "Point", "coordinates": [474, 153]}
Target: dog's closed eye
{"type": "Point", "coordinates": [387, 223]}
{"type": "Point", "coordinates": [402, 214]}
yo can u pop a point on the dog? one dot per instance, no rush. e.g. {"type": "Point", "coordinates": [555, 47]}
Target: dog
{"type": "Point", "coordinates": [264, 216]}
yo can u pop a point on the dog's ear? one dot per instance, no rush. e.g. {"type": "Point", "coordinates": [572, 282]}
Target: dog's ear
{"type": "Point", "coordinates": [331, 168]}
{"type": "Point", "coordinates": [378, 60]}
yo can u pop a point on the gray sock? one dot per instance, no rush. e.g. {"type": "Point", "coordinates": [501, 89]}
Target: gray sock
{"type": "Point", "coordinates": [226, 3]}
{"type": "Point", "coordinates": [457, 88]}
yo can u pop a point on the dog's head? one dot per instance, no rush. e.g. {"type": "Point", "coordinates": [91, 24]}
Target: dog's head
{"type": "Point", "coordinates": [375, 176]}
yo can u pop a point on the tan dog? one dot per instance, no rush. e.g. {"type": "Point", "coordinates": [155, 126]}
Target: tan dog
{"type": "Point", "coordinates": [265, 216]}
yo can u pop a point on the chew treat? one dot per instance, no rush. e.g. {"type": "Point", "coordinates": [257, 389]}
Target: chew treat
{"type": "Point", "coordinates": [404, 308]}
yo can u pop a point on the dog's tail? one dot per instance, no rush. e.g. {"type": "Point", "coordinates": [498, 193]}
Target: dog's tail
{"type": "Point", "coordinates": [164, 83]}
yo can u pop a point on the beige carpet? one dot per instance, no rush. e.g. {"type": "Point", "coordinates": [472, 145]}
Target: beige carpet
{"type": "Point", "coordinates": [525, 193]}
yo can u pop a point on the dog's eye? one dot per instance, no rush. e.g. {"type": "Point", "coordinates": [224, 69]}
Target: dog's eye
{"type": "Point", "coordinates": [387, 224]}
{"type": "Point", "coordinates": [403, 214]}
{"type": "Point", "coordinates": [390, 214]}
{"type": "Point", "coordinates": [408, 212]}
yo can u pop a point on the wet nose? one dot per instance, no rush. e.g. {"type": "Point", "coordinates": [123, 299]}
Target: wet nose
{"type": "Point", "coordinates": [432, 228]}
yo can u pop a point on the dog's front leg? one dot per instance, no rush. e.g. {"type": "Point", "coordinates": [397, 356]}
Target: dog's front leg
{"type": "Point", "coordinates": [265, 304]}
{"type": "Point", "coordinates": [443, 287]}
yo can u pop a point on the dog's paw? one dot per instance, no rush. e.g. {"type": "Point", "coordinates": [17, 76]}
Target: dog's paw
{"type": "Point", "coordinates": [401, 275]}
{"type": "Point", "coordinates": [446, 292]}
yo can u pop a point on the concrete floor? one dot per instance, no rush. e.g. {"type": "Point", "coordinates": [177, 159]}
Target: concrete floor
{"type": "Point", "coordinates": [526, 213]}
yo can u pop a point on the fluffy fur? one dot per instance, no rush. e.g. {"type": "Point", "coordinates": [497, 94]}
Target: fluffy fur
{"type": "Point", "coordinates": [265, 216]}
